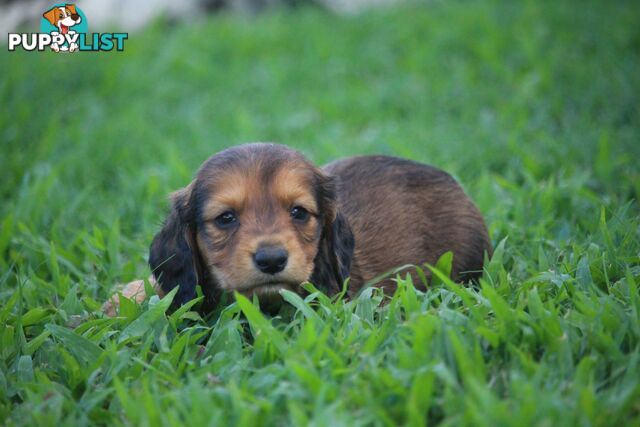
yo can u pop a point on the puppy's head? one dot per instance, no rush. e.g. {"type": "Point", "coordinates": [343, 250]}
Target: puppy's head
{"type": "Point", "coordinates": [258, 218]}
{"type": "Point", "coordinates": [63, 17]}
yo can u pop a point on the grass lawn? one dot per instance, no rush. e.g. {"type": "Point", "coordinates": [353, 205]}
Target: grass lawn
{"type": "Point", "coordinates": [533, 106]}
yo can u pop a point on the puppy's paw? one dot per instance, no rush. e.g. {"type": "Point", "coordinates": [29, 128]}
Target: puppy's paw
{"type": "Point", "coordinates": [132, 290]}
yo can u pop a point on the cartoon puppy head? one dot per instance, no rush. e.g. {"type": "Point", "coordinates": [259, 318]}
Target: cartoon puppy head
{"type": "Point", "coordinates": [63, 17]}
{"type": "Point", "coordinates": [256, 219]}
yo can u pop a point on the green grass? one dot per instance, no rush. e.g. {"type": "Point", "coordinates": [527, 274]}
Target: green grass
{"type": "Point", "coordinates": [533, 106]}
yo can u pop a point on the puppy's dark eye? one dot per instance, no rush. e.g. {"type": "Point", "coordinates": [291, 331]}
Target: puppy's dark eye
{"type": "Point", "coordinates": [226, 219]}
{"type": "Point", "coordinates": [299, 213]}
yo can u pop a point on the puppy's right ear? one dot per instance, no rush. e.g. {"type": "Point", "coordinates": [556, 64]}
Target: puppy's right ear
{"type": "Point", "coordinates": [332, 264]}
{"type": "Point", "coordinates": [50, 15]}
{"type": "Point", "coordinates": [173, 256]}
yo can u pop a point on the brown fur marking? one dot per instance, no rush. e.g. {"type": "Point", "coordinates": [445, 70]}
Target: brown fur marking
{"type": "Point", "coordinates": [397, 211]}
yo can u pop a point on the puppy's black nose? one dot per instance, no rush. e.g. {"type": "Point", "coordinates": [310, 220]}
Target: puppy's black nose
{"type": "Point", "coordinates": [270, 259]}
{"type": "Point", "coordinates": [75, 16]}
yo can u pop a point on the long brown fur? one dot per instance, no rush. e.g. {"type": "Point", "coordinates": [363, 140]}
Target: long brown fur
{"type": "Point", "coordinates": [366, 215]}
{"type": "Point", "coordinates": [403, 212]}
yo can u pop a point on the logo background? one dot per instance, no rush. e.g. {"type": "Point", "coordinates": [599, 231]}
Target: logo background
{"type": "Point", "coordinates": [82, 27]}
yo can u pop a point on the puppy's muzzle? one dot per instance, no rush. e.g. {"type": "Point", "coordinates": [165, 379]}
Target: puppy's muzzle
{"type": "Point", "coordinates": [270, 259]}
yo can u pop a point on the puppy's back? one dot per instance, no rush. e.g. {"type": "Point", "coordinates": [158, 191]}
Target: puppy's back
{"type": "Point", "coordinates": [403, 212]}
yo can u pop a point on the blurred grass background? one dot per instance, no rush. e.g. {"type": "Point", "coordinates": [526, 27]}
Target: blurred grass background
{"type": "Point", "coordinates": [532, 105]}
{"type": "Point", "coordinates": [524, 91]}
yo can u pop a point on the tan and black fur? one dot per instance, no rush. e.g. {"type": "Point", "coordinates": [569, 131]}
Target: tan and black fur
{"type": "Point", "coordinates": [240, 225]}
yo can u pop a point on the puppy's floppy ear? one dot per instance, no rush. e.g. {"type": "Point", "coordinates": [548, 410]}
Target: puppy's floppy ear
{"type": "Point", "coordinates": [50, 15]}
{"type": "Point", "coordinates": [332, 264]}
{"type": "Point", "coordinates": [72, 8]}
{"type": "Point", "coordinates": [173, 257]}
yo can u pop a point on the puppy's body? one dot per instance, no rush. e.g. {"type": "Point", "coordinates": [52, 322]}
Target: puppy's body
{"type": "Point", "coordinates": [403, 212]}
{"type": "Point", "coordinates": [259, 218]}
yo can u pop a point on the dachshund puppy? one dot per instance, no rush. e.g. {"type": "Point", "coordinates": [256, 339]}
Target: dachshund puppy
{"type": "Point", "coordinates": [259, 218]}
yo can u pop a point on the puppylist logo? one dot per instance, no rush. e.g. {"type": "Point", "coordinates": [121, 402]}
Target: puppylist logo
{"type": "Point", "coordinates": [63, 28]}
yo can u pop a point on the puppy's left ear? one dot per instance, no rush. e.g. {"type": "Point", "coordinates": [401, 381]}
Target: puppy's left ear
{"type": "Point", "coordinates": [50, 15]}
{"type": "Point", "coordinates": [173, 257]}
{"type": "Point", "coordinates": [332, 264]}
{"type": "Point", "coordinates": [72, 8]}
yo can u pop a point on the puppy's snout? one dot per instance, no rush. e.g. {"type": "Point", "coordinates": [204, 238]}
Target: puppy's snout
{"type": "Point", "coordinates": [271, 259]}
{"type": "Point", "coordinates": [75, 16]}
